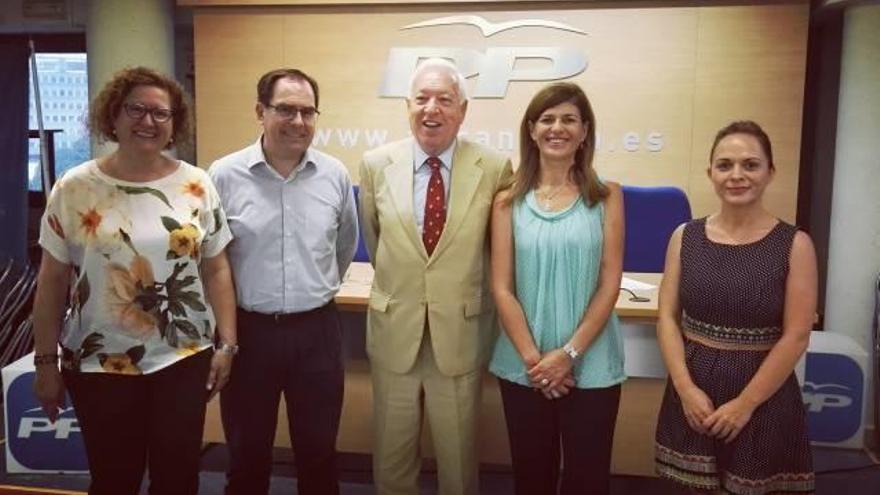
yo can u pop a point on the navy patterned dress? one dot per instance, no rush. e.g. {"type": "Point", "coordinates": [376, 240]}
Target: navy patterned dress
{"type": "Point", "coordinates": [732, 299]}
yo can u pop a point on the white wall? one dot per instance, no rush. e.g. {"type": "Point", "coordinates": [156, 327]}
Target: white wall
{"type": "Point", "coordinates": [854, 246]}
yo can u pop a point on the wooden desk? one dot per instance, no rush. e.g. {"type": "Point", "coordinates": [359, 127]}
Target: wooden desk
{"type": "Point", "coordinates": [634, 435]}
{"type": "Point", "coordinates": [355, 292]}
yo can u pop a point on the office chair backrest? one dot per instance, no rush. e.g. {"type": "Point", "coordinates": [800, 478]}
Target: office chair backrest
{"type": "Point", "coordinates": [651, 214]}
{"type": "Point", "coordinates": [361, 254]}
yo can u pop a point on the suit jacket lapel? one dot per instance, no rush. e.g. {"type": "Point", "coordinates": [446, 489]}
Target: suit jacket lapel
{"type": "Point", "coordinates": [399, 176]}
{"type": "Point", "coordinates": [466, 173]}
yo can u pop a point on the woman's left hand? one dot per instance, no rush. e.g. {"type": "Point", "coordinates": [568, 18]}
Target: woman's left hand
{"type": "Point", "coordinates": [551, 370]}
{"type": "Point", "coordinates": [221, 367]}
{"type": "Point", "coordinates": [728, 420]}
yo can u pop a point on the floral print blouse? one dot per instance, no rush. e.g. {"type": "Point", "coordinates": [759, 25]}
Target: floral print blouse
{"type": "Point", "coordinates": [137, 302]}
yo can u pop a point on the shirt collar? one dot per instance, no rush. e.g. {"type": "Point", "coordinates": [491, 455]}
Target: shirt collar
{"type": "Point", "coordinates": [419, 156]}
{"type": "Point", "coordinates": [256, 156]}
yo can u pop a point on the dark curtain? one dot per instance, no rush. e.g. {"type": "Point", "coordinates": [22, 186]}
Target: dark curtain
{"type": "Point", "coordinates": [13, 150]}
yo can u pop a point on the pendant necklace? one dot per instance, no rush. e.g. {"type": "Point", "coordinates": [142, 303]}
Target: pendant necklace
{"type": "Point", "coordinates": [547, 201]}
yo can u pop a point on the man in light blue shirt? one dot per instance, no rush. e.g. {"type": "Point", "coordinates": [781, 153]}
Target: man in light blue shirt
{"type": "Point", "coordinates": [292, 211]}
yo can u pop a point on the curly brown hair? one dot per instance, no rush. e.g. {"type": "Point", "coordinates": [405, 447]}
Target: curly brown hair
{"type": "Point", "coordinates": [105, 108]}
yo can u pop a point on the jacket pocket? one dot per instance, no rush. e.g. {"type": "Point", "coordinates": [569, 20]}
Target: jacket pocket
{"type": "Point", "coordinates": [379, 301]}
{"type": "Point", "coordinates": [475, 306]}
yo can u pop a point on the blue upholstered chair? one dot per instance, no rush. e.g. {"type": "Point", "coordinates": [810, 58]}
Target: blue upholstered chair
{"type": "Point", "coordinates": [652, 214]}
{"type": "Point", "coordinates": [361, 254]}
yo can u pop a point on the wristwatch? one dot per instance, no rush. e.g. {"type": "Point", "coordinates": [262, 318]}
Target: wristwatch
{"type": "Point", "coordinates": [231, 349]}
{"type": "Point", "coordinates": [571, 351]}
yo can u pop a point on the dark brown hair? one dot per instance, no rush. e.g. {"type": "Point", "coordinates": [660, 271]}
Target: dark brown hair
{"type": "Point", "coordinates": [581, 172]}
{"type": "Point", "coordinates": [747, 127]}
{"type": "Point", "coordinates": [106, 106]}
{"type": "Point", "coordinates": [266, 85]}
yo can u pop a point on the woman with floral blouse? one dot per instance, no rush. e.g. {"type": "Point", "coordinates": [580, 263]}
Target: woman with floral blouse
{"type": "Point", "coordinates": [143, 236]}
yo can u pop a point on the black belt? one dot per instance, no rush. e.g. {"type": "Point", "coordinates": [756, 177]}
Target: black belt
{"type": "Point", "coordinates": [278, 318]}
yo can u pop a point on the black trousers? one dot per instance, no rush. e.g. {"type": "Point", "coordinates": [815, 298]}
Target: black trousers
{"type": "Point", "coordinates": [130, 423]}
{"type": "Point", "coordinates": [583, 421]}
{"type": "Point", "coordinates": [300, 355]}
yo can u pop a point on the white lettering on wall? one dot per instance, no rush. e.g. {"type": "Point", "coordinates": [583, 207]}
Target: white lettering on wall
{"type": "Point", "coordinates": [504, 140]}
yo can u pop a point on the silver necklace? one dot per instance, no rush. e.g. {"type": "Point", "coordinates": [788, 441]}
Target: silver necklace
{"type": "Point", "coordinates": [547, 201]}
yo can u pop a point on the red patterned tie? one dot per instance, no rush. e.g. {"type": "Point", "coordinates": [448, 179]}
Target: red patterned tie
{"type": "Point", "coordinates": [435, 206]}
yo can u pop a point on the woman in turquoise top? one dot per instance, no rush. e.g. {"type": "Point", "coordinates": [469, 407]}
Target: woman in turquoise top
{"type": "Point", "coordinates": [557, 260]}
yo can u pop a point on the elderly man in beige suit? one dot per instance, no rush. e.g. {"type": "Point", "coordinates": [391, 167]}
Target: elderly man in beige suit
{"type": "Point", "coordinates": [425, 204]}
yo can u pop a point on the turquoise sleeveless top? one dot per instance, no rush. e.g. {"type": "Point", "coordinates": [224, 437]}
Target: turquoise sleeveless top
{"type": "Point", "coordinates": [557, 258]}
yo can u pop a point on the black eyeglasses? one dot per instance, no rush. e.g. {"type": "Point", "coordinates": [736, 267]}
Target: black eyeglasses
{"type": "Point", "coordinates": [137, 111]}
{"type": "Point", "coordinates": [308, 114]}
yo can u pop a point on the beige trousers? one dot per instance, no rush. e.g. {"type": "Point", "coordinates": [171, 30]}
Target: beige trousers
{"type": "Point", "coordinates": [449, 404]}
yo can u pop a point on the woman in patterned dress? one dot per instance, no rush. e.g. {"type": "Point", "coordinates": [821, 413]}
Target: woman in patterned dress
{"type": "Point", "coordinates": [144, 237]}
{"type": "Point", "coordinates": [557, 261]}
{"type": "Point", "coordinates": [737, 303]}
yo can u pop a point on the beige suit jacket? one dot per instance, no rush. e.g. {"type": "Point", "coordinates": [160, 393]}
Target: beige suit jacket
{"type": "Point", "coordinates": [451, 287]}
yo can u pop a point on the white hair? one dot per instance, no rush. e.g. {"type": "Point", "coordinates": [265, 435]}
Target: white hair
{"type": "Point", "coordinates": [442, 65]}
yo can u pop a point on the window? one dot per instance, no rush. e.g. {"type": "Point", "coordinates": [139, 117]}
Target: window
{"type": "Point", "coordinates": [71, 140]}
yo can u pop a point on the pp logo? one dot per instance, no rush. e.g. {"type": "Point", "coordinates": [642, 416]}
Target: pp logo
{"type": "Point", "coordinates": [35, 422]}
{"type": "Point", "coordinates": [826, 395]}
{"type": "Point", "coordinates": [495, 67]}
{"type": "Point", "coordinates": [833, 397]}
{"type": "Point", "coordinates": [35, 443]}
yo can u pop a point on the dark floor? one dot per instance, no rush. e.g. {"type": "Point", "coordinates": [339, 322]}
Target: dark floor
{"type": "Point", "coordinates": [839, 472]}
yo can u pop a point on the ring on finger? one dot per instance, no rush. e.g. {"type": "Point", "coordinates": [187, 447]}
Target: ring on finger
{"type": "Point", "coordinates": [545, 382]}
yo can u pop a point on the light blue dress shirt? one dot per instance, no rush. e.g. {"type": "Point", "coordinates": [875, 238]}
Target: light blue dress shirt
{"type": "Point", "coordinates": [557, 259]}
{"type": "Point", "coordinates": [422, 175]}
{"type": "Point", "coordinates": [294, 237]}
